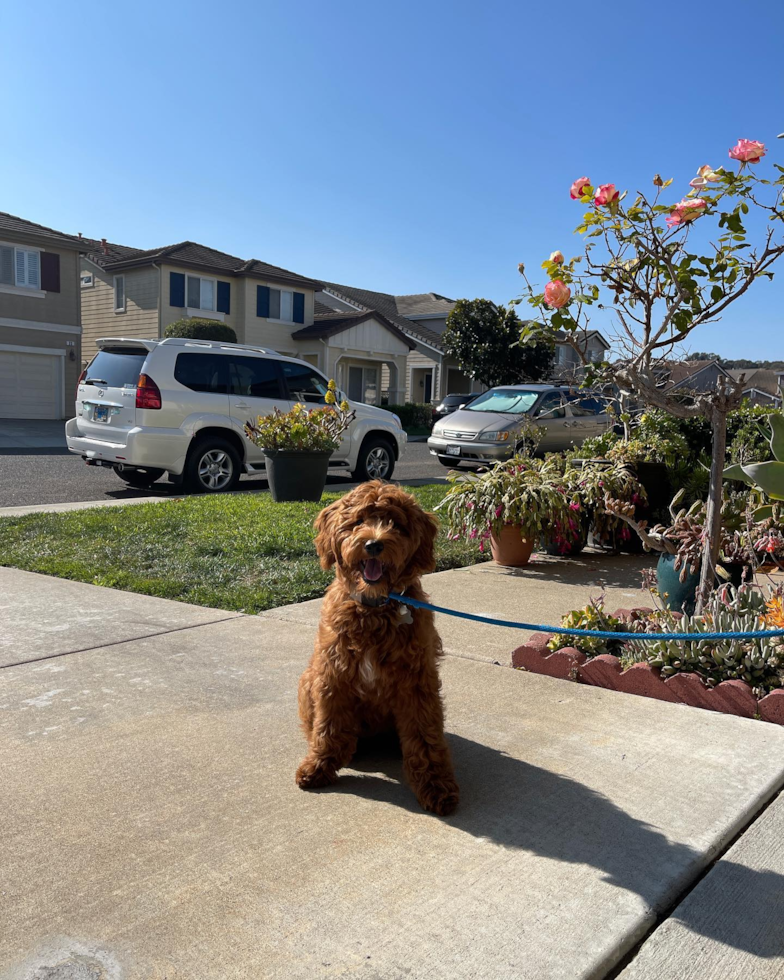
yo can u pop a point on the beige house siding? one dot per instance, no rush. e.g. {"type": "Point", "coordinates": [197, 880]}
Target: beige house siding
{"type": "Point", "coordinates": [24, 337]}
{"type": "Point", "coordinates": [416, 360]}
{"type": "Point", "coordinates": [272, 333]}
{"type": "Point", "coordinates": [140, 318]}
{"type": "Point", "coordinates": [234, 319]}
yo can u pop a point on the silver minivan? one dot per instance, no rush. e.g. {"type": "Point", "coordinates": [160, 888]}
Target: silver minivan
{"type": "Point", "coordinates": [493, 426]}
{"type": "Point", "coordinates": [177, 406]}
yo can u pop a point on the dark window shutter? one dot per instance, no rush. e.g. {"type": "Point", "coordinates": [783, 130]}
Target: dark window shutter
{"type": "Point", "coordinates": [50, 272]}
{"type": "Point", "coordinates": [176, 289]}
{"type": "Point", "coordinates": [262, 300]}
{"type": "Point", "coordinates": [299, 307]}
{"type": "Point", "coordinates": [224, 297]}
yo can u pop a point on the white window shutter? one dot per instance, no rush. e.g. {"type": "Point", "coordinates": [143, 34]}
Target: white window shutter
{"type": "Point", "coordinates": [21, 279]}
{"type": "Point", "coordinates": [34, 270]}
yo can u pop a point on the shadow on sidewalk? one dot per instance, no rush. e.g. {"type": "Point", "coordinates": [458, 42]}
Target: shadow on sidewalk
{"type": "Point", "coordinates": [525, 807]}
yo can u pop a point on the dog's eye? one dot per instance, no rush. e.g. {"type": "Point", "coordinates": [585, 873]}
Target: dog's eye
{"type": "Point", "coordinates": [400, 527]}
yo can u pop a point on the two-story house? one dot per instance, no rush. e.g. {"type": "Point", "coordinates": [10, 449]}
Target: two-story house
{"type": "Point", "coordinates": [129, 292]}
{"type": "Point", "coordinates": [40, 352]}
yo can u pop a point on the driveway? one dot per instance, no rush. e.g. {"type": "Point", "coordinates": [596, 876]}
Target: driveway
{"type": "Point", "coordinates": [53, 476]}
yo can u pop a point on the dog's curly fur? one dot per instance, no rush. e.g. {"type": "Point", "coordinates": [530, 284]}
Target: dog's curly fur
{"type": "Point", "coordinates": [372, 668]}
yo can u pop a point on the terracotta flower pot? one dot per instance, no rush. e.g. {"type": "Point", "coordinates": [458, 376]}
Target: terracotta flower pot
{"type": "Point", "coordinates": [510, 547]}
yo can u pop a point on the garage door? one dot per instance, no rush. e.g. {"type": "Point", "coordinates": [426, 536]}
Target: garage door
{"type": "Point", "coordinates": [30, 386]}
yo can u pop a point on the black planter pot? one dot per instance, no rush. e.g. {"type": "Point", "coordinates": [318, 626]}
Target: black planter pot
{"type": "Point", "coordinates": [296, 474]}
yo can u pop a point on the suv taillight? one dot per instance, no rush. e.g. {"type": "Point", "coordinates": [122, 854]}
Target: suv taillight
{"type": "Point", "coordinates": [81, 379]}
{"type": "Point", "coordinates": [148, 394]}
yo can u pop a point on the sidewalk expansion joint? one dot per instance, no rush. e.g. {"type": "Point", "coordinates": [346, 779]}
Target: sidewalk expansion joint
{"type": "Point", "coordinates": [118, 643]}
{"type": "Point", "coordinates": [666, 914]}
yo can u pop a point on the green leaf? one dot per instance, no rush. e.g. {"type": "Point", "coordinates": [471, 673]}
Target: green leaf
{"type": "Point", "coordinates": [769, 477]}
{"type": "Point", "coordinates": [776, 422]}
{"type": "Point", "coordinates": [736, 472]}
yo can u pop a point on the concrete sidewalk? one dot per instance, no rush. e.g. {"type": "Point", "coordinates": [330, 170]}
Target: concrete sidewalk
{"type": "Point", "coordinates": [152, 828]}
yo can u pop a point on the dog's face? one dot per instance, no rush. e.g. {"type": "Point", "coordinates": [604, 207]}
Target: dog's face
{"type": "Point", "coordinates": [379, 539]}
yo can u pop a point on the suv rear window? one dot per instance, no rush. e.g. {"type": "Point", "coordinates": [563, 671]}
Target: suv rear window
{"type": "Point", "coordinates": [255, 377]}
{"type": "Point", "coordinates": [117, 367]}
{"type": "Point", "coordinates": [202, 372]}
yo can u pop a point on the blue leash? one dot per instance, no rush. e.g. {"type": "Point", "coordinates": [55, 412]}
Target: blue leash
{"type": "Point", "coordinates": [695, 637]}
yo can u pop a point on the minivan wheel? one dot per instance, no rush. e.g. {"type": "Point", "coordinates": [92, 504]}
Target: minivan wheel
{"type": "Point", "coordinates": [139, 477]}
{"type": "Point", "coordinates": [376, 461]}
{"type": "Point", "coordinates": [213, 466]}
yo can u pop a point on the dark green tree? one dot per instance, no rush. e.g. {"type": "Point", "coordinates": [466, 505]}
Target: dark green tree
{"type": "Point", "coordinates": [200, 328]}
{"type": "Point", "coordinates": [484, 340]}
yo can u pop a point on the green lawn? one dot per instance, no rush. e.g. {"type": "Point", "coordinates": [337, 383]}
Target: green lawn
{"type": "Point", "coordinates": [236, 551]}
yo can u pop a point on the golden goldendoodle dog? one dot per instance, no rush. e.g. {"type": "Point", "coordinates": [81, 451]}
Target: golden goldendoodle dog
{"type": "Point", "coordinates": [375, 665]}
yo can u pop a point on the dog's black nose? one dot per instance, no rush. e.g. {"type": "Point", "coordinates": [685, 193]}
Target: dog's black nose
{"type": "Point", "coordinates": [374, 548]}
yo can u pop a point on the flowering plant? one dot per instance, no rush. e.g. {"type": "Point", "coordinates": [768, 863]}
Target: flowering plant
{"type": "Point", "coordinates": [522, 491]}
{"type": "Point", "coordinates": [303, 429]}
{"type": "Point", "coordinates": [664, 269]}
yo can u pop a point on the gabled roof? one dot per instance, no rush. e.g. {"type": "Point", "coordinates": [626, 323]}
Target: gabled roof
{"type": "Point", "coordinates": [560, 336]}
{"type": "Point", "coordinates": [386, 304]}
{"type": "Point", "coordinates": [763, 379]}
{"type": "Point", "coordinates": [424, 304]}
{"type": "Point", "coordinates": [116, 257]}
{"type": "Point", "coordinates": [10, 225]}
{"type": "Point", "coordinates": [328, 322]}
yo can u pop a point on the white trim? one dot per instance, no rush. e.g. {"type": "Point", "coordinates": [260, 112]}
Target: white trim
{"type": "Point", "coordinates": [51, 351]}
{"type": "Point", "coordinates": [6, 321]}
{"type": "Point", "coordinates": [424, 343]}
{"type": "Point", "coordinates": [100, 268]}
{"type": "Point", "coordinates": [204, 314]}
{"type": "Point", "coordinates": [23, 291]}
{"type": "Point", "coordinates": [32, 350]}
{"type": "Point", "coordinates": [123, 308]}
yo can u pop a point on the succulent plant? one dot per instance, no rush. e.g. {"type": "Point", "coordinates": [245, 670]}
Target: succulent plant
{"type": "Point", "coordinates": [759, 662]}
{"type": "Point", "coordinates": [768, 476]}
{"type": "Point", "coordinates": [591, 617]}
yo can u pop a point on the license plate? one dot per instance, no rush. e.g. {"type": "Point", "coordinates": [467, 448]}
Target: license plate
{"type": "Point", "coordinates": [101, 413]}
{"type": "Point", "coordinates": [453, 450]}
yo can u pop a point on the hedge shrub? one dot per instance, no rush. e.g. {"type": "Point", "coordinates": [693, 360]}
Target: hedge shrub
{"type": "Point", "coordinates": [198, 328]}
{"type": "Point", "coordinates": [413, 416]}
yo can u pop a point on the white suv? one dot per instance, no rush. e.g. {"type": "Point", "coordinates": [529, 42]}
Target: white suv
{"type": "Point", "coordinates": [176, 406]}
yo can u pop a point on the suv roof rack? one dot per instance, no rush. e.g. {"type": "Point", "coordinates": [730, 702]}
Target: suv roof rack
{"type": "Point", "coordinates": [217, 344]}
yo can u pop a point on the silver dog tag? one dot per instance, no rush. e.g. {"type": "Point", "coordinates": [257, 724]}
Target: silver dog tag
{"type": "Point", "coordinates": [405, 615]}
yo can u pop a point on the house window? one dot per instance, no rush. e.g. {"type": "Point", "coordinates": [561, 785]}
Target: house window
{"type": "Point", "coordinates": [282, 305]}
{"type": "Point", "coordinates": [20, 267]}
{"type": "Point", "coordinates": [119, 294]}
{"type": "Point", "coordinates": [201, 293]}
{"type": "Point", "coordinates": [87, 280]}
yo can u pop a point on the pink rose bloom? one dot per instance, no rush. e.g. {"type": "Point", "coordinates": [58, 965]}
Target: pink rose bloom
{"type": "Point", "coordinates": [577, 188]}
{"type": "Point", "coordinates": [557, 294]}
{"type": "Point", "coordinates": [686, 210]}
{"type": "Point", "coordinates": [557, 257]}
{"type": "Point", "coordinates": [748, 151]}
{"type": "Point", "coordinates": [606, 194]}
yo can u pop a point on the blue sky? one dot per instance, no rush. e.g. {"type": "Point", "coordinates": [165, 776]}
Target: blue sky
{"type": "Point", "coordinates": [404, 147]}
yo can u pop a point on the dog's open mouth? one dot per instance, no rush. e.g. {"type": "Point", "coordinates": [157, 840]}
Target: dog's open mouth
{"type": "Point", "coordinates": [372, 570]}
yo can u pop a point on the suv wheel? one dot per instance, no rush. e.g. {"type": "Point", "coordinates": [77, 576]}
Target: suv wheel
{"type": "Point", "coordinates": [213, 466]}
{"type": "Point", "coordinates": [376, 461]}
{"type": "Point", "coordinates": [139, 477]}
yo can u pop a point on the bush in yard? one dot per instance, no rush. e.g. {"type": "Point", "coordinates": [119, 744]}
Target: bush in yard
{"type": "Point", "coordinates": [199, 328]}
{"type": "Point", "coordinates": [413, 415]}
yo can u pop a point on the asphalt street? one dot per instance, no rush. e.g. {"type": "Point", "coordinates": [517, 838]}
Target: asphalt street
{"type": "Point", "coordinates": [56, 476]}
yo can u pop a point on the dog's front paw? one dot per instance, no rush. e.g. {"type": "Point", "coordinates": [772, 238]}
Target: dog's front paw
{"type": "Point", "coordinates": [440, 796]}
{"type": "Point", "coordinates": [312, 774]}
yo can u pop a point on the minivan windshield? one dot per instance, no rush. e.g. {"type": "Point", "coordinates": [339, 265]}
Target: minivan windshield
{"type": "Point", "coordinates": [116, 367]}
{"type": "Point", "coordinates": [512, 400]}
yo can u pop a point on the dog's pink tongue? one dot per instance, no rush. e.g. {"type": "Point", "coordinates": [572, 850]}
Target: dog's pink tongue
{"type": "Point", "coordinates": [373, 569]}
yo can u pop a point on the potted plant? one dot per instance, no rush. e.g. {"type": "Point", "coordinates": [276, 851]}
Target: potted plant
{"type": "Point", "coordinates": [680, 547]}
{"type": "Point", "coordinates": [591, 482]}
{"type": "Point", "coordinates": [298, 444]}
{"type": "Point", "coordinates": [512, 505]}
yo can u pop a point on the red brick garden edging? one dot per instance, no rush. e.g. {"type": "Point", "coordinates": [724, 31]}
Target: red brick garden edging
{"type": "Point", "coordinates": [729, 697]}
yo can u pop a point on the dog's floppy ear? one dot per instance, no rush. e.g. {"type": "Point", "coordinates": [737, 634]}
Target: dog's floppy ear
{"type": "Point", "coordinates": [325, 525]}
{"type": "Point", "coordinates": [425, 530]}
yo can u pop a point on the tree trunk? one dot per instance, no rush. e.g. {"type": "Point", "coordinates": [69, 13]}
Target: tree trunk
{"type": "Point", "coordinates": [712, 538]}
